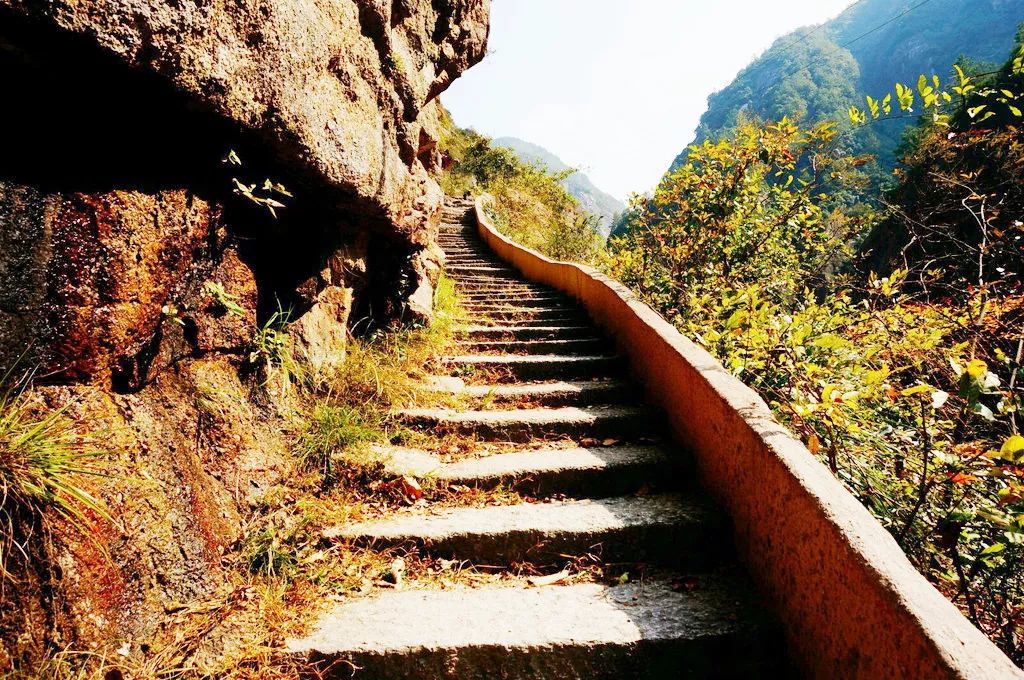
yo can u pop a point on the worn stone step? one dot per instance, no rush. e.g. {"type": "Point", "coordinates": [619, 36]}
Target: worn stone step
{"type": "Point", "coordinates": [467, 268]}
{"type": "Point", "coordinates": [492, 291]}
{"type": "Point", "coordinates": [622, 422]}
{"type": "Point", "coordinates": [521, 299]}
{"type": "Point", "coordinates": [498, 320]}
{"type": "Point", "coordinates": [561, 306]}
{"type": "Point", "coordinates": [592, 472]}
{"type": "Point", "coordinates": [540, 366]}
{"type": "Point", "coordinates": [470, 262]}
{"type": "Point", "coordinates": [511, 277]}
{"type": "Point", "coordinates": [523, 332]}
{"type": "Point", "coordinates": [554, 393]}
{"type": "Point", "coordinates": [570, 346]}
{"type": "Point", "coordinates": [666, 529]}
{"type": "Point", "coordinates": [646, 630]}
{"type": "Point", "coordinates": [513, 282]}
{"type": "Point", "coordinates": [518, 314]}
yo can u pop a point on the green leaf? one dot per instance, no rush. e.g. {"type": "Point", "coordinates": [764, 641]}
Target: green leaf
{"type": "Point", "coordinates": [994, 549]}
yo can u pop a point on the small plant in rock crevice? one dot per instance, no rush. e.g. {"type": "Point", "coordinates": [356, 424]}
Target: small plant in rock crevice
{"type": "Point", "coordinates": [273, 350]}
{"type": "Point", "coordinates": [262, 195]}
{"type": "Point", "coordinates": [225, 300]}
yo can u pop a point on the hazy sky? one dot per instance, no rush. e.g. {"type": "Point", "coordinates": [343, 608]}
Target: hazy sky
{"type": "Point", "coordinates": [616, 87]}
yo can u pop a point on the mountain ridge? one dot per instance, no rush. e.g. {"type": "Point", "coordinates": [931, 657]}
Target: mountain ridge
{"type": "Point", "coordinates": [874, 43]}
{"type": "Point", "coordinates": [591, 198]}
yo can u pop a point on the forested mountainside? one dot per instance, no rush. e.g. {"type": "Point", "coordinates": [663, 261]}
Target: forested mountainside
{"type": "Point", "coordinates": [816, 72]}
{"type": "Point", "coordinates": [591, 198]}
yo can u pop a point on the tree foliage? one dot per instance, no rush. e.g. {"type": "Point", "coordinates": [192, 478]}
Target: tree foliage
{"type": "Point", "coordinates": [907, 383]}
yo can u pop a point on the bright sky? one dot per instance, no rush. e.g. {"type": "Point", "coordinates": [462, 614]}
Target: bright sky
{"type": "Point", "coordinates": [616, 87]}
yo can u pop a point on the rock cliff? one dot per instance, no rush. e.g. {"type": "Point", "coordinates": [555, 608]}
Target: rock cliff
{"type": "Point", "coordinates": [174, 173]}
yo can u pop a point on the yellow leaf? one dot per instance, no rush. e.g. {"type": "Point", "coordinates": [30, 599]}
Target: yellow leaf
{"type": "Point", "coordinates": [814, 444]}
{"type": "Point", "coordinates": [917, 389]}
{"type": "Point", "coordinates": [977, 368]}
{"type": "Point", "coordinates": [1012, 448]}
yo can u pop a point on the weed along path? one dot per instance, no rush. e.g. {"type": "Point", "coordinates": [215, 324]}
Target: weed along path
{"type": "Point", "coordinates": [627, 569]}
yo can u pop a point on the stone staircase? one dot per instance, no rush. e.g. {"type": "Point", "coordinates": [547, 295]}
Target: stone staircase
{"type": "Point", "coordinates": [538, 371]}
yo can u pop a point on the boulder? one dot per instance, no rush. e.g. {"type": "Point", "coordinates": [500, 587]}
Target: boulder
{"type": "Point", "coordinates": [115, 185]}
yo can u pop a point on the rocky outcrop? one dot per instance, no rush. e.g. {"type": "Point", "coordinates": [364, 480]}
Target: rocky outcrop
{"type": "Point", "coordinates": [176, 174]}
{"type": "Point", "coordinates": [333, 99]}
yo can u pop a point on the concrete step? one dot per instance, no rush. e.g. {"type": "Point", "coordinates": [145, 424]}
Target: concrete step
{"type": "Point", "coordinates": [523, 332]}
{"type": "Point", "coordinates": [555, 393]}
{"type": "Point", "coordinates": [593, 472]}
{"type": "Point", "coordinates": [540, 366]}
{"type": "Point", "coordinates": [573, 346]}
{"type": "Point", "coordinates": [647, 630]}
{"type": "Point", "coordinates": [621, 422]}
{"type": "Point", "coordinates": [667, 529]}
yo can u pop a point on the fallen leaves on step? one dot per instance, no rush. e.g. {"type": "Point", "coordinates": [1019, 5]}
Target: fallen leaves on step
{"type": "Point", "coordinates": [411, 488]}
{"type": "Point", "coordinates": [686, 584]}
{"type": "Point", "coordinates": [407, 487]}
{"type": "Point", "coordinates": [550, 580]}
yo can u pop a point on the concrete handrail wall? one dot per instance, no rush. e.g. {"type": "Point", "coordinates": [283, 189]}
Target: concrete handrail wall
{"type": "Point", "coordinates": [851, 603]}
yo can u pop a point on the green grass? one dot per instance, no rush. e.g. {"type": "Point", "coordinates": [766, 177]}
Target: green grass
{"type": "Point", "coordinates": [43, 459]}
{"type": "Point", "coordinates": [352, 404]}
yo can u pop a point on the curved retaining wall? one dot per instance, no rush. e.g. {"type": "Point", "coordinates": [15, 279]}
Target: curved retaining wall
{"type": "Point", "coordinates": [852, 604]}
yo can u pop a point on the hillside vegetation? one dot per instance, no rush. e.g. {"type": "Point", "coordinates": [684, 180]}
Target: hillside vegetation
{"type": "Point", "coordinates": [814, 73]}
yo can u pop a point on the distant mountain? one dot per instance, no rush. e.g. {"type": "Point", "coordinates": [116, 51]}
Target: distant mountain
{"type": "Point", "coordinates": [826, 69]}
{"type": "Point", "coordinates": [591, 199]}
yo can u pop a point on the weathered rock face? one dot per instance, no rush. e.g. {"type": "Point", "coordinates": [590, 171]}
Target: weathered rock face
{"type": "Point", "coordinates": [333, 99]}
{"type": "Point", "coordinates": [134, 277]}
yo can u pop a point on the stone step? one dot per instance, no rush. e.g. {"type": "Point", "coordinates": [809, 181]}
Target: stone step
{"type": "Point", "coordinates": [523, 332]}
{"type": "Point", "coordinates": [487, 284]}
{"type": "Point", "coordinates": [520, 425]}
{"type": "Point", "coordinates": [469, 254]}
{"type": "Point", "coordinates": [520, 299]}
{"type": "Point", "coordinates": [480, 320]}
{"type": "Point", "coordinates": [571, 346]}
{"type": "Point", "coordinates": [593, 472]}
{"type": "Point", "coordinates": [561, 306]}
{"type": "Point", "coordinates": [556, 393]}
{"type": "Point", "coordinates": [470, 262]}
{"type": "Point", "coordinates": [516, 314]}
{"type": "Point", "coordinates": [666, 529]}
{"type": "Point", "coordinates": [485, 291]}
{"type": "Point", "coordinates": [540, 366]}
{"type": "Point", "coordinates": [653, 629]}
{"type": "Point", "coordinates": [495, 269]}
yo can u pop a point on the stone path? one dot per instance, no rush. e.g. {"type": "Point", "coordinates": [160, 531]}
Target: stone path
{"type": "Point", "coordinates": [535, 370]}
